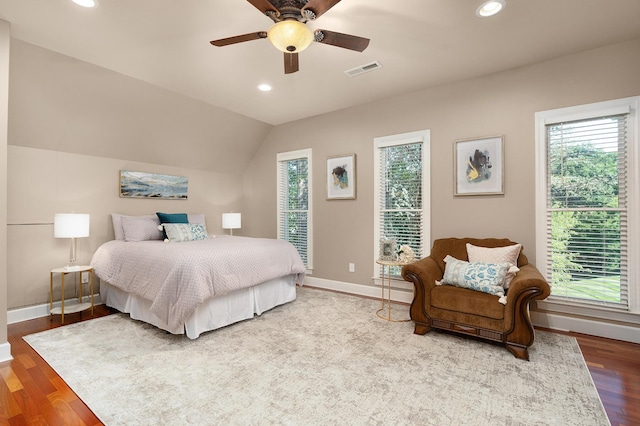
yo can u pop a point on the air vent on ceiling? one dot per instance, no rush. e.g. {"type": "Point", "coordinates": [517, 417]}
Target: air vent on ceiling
{"type": "Point", "coordinates": [363, 68]}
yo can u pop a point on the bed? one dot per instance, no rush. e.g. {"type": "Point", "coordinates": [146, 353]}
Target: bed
{"type": "Point", "coordinates": [193, 286]}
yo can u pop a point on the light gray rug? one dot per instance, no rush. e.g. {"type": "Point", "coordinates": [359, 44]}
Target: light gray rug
{"type": "Point", "coordinates": [324, 359]}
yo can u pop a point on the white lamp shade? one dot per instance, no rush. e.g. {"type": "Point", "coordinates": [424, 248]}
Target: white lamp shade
{"type": "Point", "coordinates": [231, 220]}
{"type": "Point", "coordinates": [71, 225]}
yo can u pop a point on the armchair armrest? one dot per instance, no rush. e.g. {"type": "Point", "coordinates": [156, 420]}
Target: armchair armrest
{"type": "Point", "coordinates": [423, 274]}
{"type": "Point", "coordinates": [528, 285]}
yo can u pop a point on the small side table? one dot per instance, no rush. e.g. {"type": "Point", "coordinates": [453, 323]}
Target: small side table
{"type": "Point", "coordinates": [386, 304]}
{"type": "Point", "coordinates": [78, 270]}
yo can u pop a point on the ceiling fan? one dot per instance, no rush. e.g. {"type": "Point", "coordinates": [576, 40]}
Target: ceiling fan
{"type": "Point", "coordinates": [290, 34]}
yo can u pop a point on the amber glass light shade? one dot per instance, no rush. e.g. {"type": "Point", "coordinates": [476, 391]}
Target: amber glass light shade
{"type": "Point", "coordinates": [290, 36]}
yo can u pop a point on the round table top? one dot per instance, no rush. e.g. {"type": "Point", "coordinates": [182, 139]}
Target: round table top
{"type": "Point", "coordinates": [69, 269]}
{"type": "Point", "coordinates": [393, 262]}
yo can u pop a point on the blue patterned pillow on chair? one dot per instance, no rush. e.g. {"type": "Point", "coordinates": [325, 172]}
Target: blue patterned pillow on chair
{"type": "Point", "coordinates": [478, 276]}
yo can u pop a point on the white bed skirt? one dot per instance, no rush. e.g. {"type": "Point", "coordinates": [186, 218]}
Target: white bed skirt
{"type": "Point", "coordinates": [214, 313]}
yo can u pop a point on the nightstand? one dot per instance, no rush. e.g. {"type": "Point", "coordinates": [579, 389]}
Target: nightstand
{"type": "Point", "coordinates": [78, 270]}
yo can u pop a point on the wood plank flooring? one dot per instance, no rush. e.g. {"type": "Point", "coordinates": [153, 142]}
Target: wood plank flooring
{"type": "Point", "coordinates": [31, 393]}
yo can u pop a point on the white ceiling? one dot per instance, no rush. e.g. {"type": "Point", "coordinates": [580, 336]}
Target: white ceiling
{"type": "Point", "coordinates": [420, 43]}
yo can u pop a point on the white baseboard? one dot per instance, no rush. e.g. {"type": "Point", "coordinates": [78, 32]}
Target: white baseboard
{"type": "Point", "coordinates": [592, 327]}
{"type": "Point", "coordinates": [397, 295]}
{"type": "Point", "coordinates": [39, 311]}
{"type": "Point", "coordinates": [541, 319]}
{"type": "Point", "coordinates": [5, 352]}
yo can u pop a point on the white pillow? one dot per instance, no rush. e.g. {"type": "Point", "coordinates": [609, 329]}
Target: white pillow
{"type": "Point", "coordinates": [141, 228]}
{"type": "Point", "coordinates": [116, 219]}
{"type": "Point", "coordinates": [178, 232]}
{"type": "Point", "coordinates": [507, 254]}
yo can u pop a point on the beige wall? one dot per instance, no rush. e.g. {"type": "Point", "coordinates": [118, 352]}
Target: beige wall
{"type": "Point", "coordinates": [497, 104]}
{"type": "Point", "coordinates": [72, 127]}
{"type": "Point", "coordinates": [43, 182]}
{"type": "Point", "coordinates": [5, 33]}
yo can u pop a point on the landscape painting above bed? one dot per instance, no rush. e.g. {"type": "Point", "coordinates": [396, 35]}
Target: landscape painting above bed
{"type": "Point", "coordinates": [152, 185]}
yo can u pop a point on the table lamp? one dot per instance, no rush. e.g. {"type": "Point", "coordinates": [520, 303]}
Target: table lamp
{"type": "Point", "coordinates": [231, 221]}
{"type": "Point", "coordinates": [71, 225]}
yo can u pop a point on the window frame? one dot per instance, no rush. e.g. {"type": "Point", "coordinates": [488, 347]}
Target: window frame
{"type": "Point", "coordinates": [423, 137]}
{"type": "Point", "coordinates": [581, 112]}
{"type": "Point", "coordinates": [289, 156]}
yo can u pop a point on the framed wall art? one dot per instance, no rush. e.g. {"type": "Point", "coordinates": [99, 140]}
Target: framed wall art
{"type": "Point", "coordinates": [341, 177]}
{"type": "Point", "coordinates": [152, 185]}
{"type": "Point", "coordinates": [478, 166]}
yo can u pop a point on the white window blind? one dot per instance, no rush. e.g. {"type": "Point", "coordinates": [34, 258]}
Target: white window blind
{"type": "Point", "coordinates": [294, 202]}
{"type": "Point", "coordinates": [402, 208]}
{"type": "Point", "coordinates": [587, 210]}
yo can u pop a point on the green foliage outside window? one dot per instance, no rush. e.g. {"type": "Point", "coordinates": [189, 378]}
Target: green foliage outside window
{"type": "Point", "coordinates": [585, 219]}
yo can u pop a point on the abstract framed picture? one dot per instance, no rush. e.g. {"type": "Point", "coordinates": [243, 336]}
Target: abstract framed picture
{"type": "Point", "coordinates": [478, 166]}
{"type": "Point", "coordinates": [341, 177]}
{"type": "Point", "coordinates": [152, 185]}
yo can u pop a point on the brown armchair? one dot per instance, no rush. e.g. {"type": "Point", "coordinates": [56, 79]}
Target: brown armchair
{"type": "Point", "coordinates": [471, 312]}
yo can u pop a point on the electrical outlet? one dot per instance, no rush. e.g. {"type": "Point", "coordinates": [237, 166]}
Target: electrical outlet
{"type": "Point", "coordinates": [84, 277]}
{"type": "Point", "coordinates": [352, 267]}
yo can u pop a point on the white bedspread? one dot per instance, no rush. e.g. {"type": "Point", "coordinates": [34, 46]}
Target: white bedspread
{"type": "Point", "coordinates": [177, 277]}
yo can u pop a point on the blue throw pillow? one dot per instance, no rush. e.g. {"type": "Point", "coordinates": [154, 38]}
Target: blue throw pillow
{"type": "Point", "coordinates": [478, 276]}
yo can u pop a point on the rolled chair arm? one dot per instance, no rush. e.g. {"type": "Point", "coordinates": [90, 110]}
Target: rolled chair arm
{"type": "Point", "coordinates": [528, 285]}
{"type": "Point", "coordinates": [423, 274]}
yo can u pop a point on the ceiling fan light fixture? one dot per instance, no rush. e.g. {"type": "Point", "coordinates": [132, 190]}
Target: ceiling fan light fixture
{"type": "Point", "coordinates": [86, 3]}
{"type": "Point", "coordinates": [490, 8]}
{"type": "Point", "coordinates": [290, 36]}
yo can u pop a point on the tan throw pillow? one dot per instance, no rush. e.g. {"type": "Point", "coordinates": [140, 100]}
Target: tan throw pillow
{"type": "Point", "coordinates": [508, 254]}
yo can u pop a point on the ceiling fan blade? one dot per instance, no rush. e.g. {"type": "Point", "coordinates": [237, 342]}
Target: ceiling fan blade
{"type": "Point", "coordinates": [318, 7]}
{"type": "Point", "coordinates": [239, 39]}
{"type": "Point", "coordinates": [291, 63]}
{"type": "Point", "coordinates": [263, 5]}
{"type": "Point", "coordinates": [346, 41]}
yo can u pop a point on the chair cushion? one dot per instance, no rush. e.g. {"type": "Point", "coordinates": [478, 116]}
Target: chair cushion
{"type": "Point", "coordinates": [467, 301]}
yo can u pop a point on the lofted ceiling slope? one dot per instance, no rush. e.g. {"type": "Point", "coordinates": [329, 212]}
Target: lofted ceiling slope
{"type": "Point", "coordinates": [420, 43]}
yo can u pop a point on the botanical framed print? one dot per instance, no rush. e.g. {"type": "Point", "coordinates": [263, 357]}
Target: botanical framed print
{"type": "Point", "coordinates": [152, 185]}
{"type": "Point", "coordinates": [387, 250]}
{"type": "Point", "coordinates": [479, 166]}
{"type": "Point", "coordinates": [341, 177]}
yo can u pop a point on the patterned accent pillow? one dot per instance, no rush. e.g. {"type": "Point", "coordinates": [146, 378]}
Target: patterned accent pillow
{"type": "Point", "coordinates": [140, 228]}
{"type": "Point", "coordinates": [478, 276]}
{"type": "Point", "coordinates": [178, 232]}
{"type": "Point", "coordinates": [171, 218]}
{"type": "Point", "coordinates": [508, 254]}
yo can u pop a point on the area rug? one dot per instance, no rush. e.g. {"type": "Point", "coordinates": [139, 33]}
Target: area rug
{"type": "Point", "coordinates": [324, 359]}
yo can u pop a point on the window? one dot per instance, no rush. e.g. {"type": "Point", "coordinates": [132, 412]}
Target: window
{"type": "Point", "coordinates": [294, 202]}
{"type": "Point", "coordinates": [401, 199]}
{"type": "Point", "coordinates": [585, 201]}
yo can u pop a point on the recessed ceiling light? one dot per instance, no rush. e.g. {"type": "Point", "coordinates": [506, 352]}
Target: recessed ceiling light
{"type": "Point", "coordinates": [86, 3]}
{"type": "Point", "coordinates": [490, 8]}
{"type": "Point", "coordinates": [264, 87]}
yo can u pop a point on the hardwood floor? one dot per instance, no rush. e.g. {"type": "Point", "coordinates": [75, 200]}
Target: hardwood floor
{"type": "Point", "coordinates": [32, 393]}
